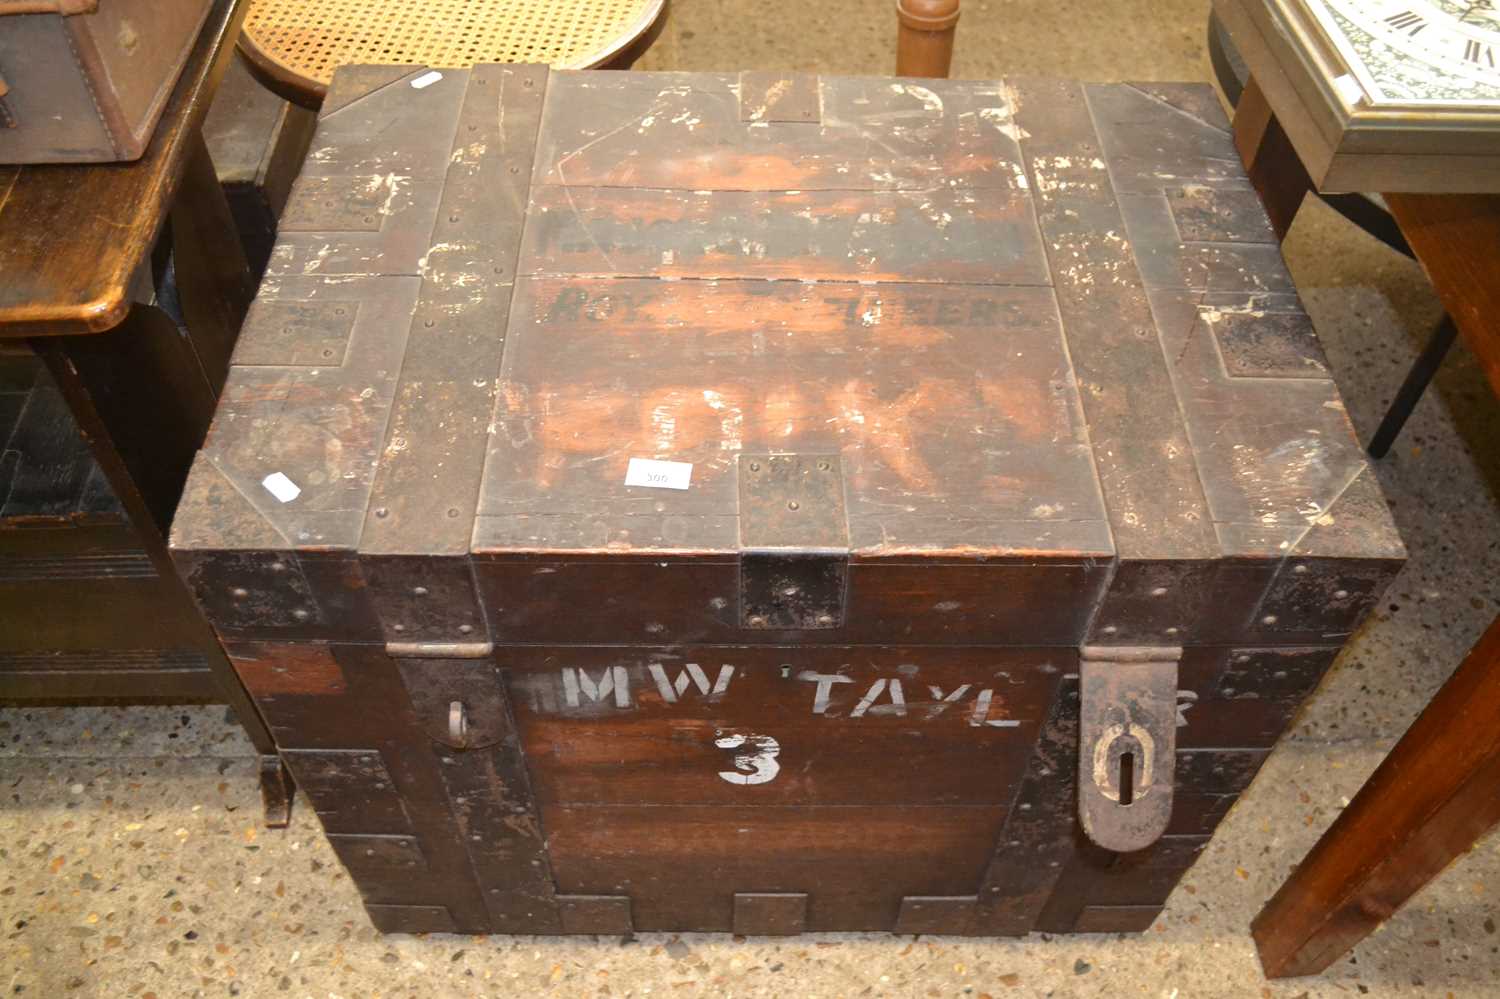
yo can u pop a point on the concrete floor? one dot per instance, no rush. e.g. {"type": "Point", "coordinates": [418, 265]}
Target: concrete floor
{"type": "Point", "coordinates": [133, 862]}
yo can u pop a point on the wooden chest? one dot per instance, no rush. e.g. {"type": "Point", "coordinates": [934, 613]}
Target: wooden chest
{"type": "Point", "coordinates": [84, 81]}
{"type": "Point", "coordinates": [768, 503]}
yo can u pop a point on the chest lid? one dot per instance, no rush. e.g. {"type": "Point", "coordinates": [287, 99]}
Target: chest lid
{"type": "Point", "coordinates": [625, 320]}
{"type": "Point", "coordinates": [715, 266]}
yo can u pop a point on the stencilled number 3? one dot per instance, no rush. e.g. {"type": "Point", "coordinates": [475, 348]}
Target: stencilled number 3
{"type": "Point", "coordinates": [756, 764]}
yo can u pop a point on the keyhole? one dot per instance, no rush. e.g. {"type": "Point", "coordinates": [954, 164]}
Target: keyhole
{"type": "Point", "coordinates": [1127, 778]}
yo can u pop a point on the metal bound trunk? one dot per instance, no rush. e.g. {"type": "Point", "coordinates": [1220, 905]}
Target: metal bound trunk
{"type": "Point", "coordinates": [769, 503]}
{"type": "Point", "coordinates": [84, 81]}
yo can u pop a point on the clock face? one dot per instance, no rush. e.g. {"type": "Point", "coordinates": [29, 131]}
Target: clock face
{"type": "Point", "coordinates": [1422, 52]}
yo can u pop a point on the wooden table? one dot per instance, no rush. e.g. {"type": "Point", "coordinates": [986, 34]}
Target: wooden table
{"type": "Point", "coordinates": [1439, 789]}
{"type": "Point", "coordinates": [77, 272]}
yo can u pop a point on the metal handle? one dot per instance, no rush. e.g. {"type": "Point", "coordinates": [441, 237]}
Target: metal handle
{"type": "Point", "coordinates": [458, 723]}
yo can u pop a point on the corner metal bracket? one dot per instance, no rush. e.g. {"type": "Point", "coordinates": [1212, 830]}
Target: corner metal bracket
{"type": "Point", "coordinates": [794, 542]}
{"type": "Point", "coordinates": [1127, 743]}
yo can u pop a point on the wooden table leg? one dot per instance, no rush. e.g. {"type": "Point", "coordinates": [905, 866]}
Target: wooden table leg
{"type": "Point", "coordinates": [1427, 803]}
{"type": "Point", "coordinates": [1272, 163]}
{"type": "Point", "coordinates": [924, 36]}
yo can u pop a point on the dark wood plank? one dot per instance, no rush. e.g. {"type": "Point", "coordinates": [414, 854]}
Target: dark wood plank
{"type": "Point", "coordinates": [110, 214]}
{"type": "Point", "coordinates": [439, 425]}
{"type": "Point", "coordinates": [1428, 802]}
{"type": "Point", "coordinates": [984, 600]}
{"type": "Point", "coordinates": [652, 130]}
{"type": "Point", "coordinates": [213, 278]}
{"type": "Point", "coordinates": [945, 236]}
{"type": "Point", "coordinates": [682, 865]}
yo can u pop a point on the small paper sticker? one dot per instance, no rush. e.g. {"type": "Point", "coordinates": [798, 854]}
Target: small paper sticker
{"type": "Point", "coordinates": [1349, 89]}
{"type": "Point", "coordinates": [427, 79]}
{"type": "Point", "coordinates": [658, 474]}
{"type": "Point", "coordinates": [281, 487]}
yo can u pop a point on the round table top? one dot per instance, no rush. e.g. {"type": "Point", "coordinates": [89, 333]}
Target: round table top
{"type": "Point", "coordinates": [297, 44]}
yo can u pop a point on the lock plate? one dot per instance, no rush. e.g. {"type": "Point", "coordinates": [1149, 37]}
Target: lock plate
{"type": "Point", "coordinates": [1127, 744]}
{"type": "Point", "coordinates": [794, 541]}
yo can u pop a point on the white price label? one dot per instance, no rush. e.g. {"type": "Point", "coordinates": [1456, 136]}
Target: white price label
{"type": "Point", "coordinates": [658, 474]}
{"type": "Point", "coordinates": [281, 487]}
{"type": "Point", "coordinates": [427, 79]}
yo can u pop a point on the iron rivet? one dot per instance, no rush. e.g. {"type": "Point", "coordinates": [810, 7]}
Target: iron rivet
{"type": "Point", "coordinates": [464, 629]}
{"type": "Point", "coordinates": [1229, 691]}
{"type": "Point", "coordinates": [756, 621]}
{"type": "Point", "coordinates": [1279, 674]}
{"type": "Point", "coordinates": [793, 505]}
{"type": "Point", "coordinates": [789, 591]}
{"type": "Point", "coordinates": [1268, 619]}
{"type": "Point", "coordinates": [453, 218]}
{"type": "Point", "coordinates": [398, 628]}
{"type": "Point", "coordinates": [300, 614]}
{"type": "Point", "coordinates": [823, 466]}
{"type": "Point", "coordinates": [337, 312]}
{"type": "Point", "coordinates": [382, 512]}
{"type": "Point", "coordinates": [825, 619]}
{"type": "Point", "coordinates": [718, 603]}
{"type": "Point", "coordinates": [1160, 591]}
{"type": "Point", "coordinates": [1025, 806]}
{"type": "Point", "coordinates": [1299, 569]}
{"type": "Point", "coordinates": [453, 511]}
{"type": "Point", "coordinates": [240, 593]}
{"type": "Point", "coordinates": [369, 219]}
{"type": "Point", "coordinates": [1173, 631]}
{"type": "Point", "coordinates": [1110, 629]}
{"type": "Point", "coordinates": [1340, 594]}
{"type": "Point", "coordinates": [420, 591]}
{"type": "Point", "coordinates": [755, 466]}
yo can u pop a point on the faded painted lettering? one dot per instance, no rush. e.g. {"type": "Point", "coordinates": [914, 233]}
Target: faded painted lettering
{"type": "Point", "coordinates": [825, 682]}
{"type": "Point", "coordinates": [892, 688]}
{"type": "Point", "coordinates": [692, 673]}
{"type": "Point", "coordinates": [577, 684]}
{"type": "Point", "coordinates": [757, 764]}
{"type": "Point", "coordinates": [1185, 700]}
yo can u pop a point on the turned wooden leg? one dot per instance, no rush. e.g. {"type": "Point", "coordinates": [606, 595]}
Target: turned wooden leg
{"type": "Point", "coordinates": [924, 36]}
{"type": "Point", "coordinates": [1432, 797]}
{"type": "Point", "coordinates": [1278, 175]}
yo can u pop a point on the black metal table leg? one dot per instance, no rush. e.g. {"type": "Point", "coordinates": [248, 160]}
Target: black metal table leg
{"type": "Point", "coordinates": [1411, 390]}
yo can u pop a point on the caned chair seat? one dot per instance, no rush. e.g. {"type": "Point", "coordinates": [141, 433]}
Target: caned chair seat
{"type": "Point", "coordinates": [295, 45]}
